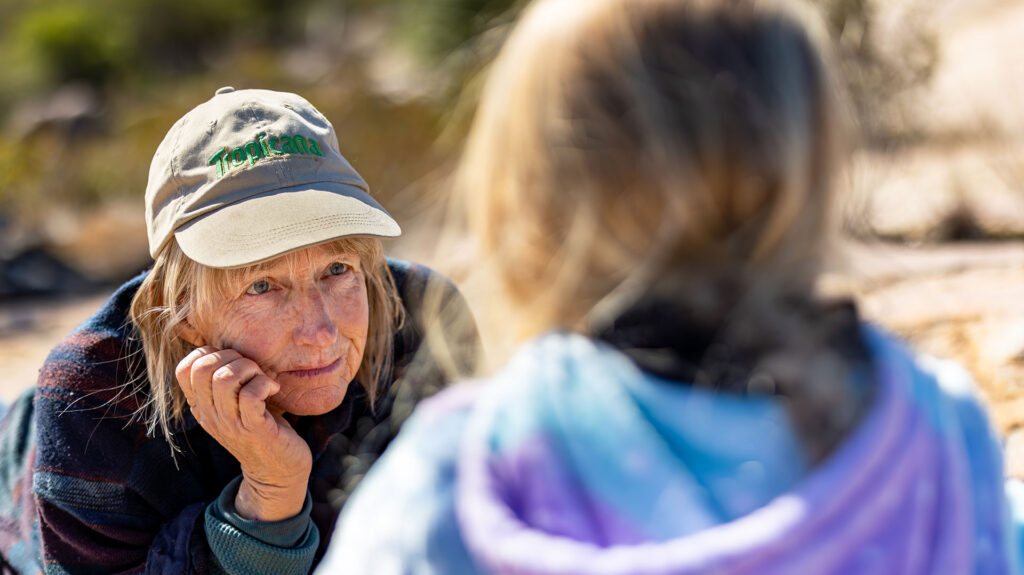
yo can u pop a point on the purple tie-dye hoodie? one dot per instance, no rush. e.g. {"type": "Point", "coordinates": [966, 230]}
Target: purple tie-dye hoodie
{"type": "Point", "coordinates": [570, 460]}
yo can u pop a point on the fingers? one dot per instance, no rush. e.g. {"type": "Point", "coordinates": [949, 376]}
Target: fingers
{"type": "Point", "coordinates": [227, 393]}
{"type": "Point", "coordinates": [224, 388]}
{"type": "Point", "coordinates": [252, 402]}
{"type": "Point", "coordinates": [183, 371]}
{"type": "Point", "coordinates": [227, 379]}
{"type": "Point", "coordinates": [201, 375]}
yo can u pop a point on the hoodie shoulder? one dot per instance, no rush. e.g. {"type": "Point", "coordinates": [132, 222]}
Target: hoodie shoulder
{"type": "Point", "coordinates": [401, 519]}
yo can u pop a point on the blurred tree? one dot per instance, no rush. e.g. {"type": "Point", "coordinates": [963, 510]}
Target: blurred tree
{"type": "Point", "coordinates": [441, 27]}
{"type": "Point", "coordinates": [176, 35]}
{"type": "Point", "coordinates": [70, 41]}
{"type": "Point", "coordinates": [94, 42]}
{"type": "Point", "coordinates": [876, 78]}
{"type": "Point", "coordinates": [140, 64]}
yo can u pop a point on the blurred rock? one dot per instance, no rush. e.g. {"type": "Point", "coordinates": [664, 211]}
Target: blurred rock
{"type": "Point", "coordinates": [107, 244]}
{"type": "Point", "coordinates": [72, 252]}
{"type": "Point", "coordinates": [72, 109]}
{"type": "Point", "coordinates": [34, 271]}
{"type": "Point", "coordinates": [934, 194]}
{"type": "Point", "coordinates": [979, 84]}
{"type": "Point", "coordinates": [995, 202]}
{"type": "Point", "coordinates": [961, 177]}
{"type": "Point", "coordinates": [898, 196]}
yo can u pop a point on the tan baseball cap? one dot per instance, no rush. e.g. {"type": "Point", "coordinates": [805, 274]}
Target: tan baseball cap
{"type": "Point", "coordinates": [252, 174]}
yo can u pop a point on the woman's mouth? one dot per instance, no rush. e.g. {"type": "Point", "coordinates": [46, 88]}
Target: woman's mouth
{"type": "Point", "coordinates": [315, 371]}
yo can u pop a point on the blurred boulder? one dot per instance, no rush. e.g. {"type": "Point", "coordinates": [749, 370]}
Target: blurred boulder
{"type": "Point", "coordinates": [935, 194]}
{"type": "Point", "coordinates": [33, 271]}
{"type": "Point", "coordinates": [106, 244]}
{"type": "Point", "coordinates": [71, 110]}
{"type": "Point", "coordinates": [72, 251]}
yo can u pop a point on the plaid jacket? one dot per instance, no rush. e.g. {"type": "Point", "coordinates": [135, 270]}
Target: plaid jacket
{"type": "Point", "coordinates": [84, 489]}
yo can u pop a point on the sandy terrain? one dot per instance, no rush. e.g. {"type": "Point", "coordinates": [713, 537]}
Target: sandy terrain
{"type": "Point", "coordinates": [27, 332]}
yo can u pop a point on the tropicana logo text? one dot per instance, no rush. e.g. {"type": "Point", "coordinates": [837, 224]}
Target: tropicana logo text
{"type": "Point", "coordinates": [263, 147]}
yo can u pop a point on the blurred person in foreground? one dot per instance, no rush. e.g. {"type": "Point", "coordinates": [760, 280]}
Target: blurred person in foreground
{"type": "Point", "coordinates": [211, 415]}
{"type": "Point", "coordinates": [650, 183]}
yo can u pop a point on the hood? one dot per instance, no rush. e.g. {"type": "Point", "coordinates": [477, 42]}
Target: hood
{"type": "Point", "coordinates": [576, 462]}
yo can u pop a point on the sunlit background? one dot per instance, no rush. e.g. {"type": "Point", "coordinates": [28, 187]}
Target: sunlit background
{"type": "Point", "coordinates": [934, 210]}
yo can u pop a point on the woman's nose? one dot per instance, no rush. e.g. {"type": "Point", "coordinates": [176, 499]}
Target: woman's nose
{"type": "Point", "coordinates": [315, 325]}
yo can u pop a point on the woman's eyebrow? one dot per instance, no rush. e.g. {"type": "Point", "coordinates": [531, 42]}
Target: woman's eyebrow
{"type": "Point", "coordinates": [335, 253]}
{"type": "Point", "coordinates": [259, 271]}
{"type": "Point", "coordinates": [350, 258]}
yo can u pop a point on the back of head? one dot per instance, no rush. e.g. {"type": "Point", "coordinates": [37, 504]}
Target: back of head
{"type": "Point", "coordinates": [676, 151]}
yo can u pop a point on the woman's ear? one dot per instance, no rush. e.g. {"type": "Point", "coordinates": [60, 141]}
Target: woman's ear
{"type": "Point", "coordinates": [190, 334]}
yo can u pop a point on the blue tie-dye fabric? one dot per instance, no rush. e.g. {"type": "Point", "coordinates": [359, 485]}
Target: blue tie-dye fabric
{"type": "Point", "coordinates": [571, 460]}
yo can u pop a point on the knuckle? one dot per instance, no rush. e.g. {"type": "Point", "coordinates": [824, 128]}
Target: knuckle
{"type": "Point", "coordinates": [185, 365]}
{"type": "Point", "coordinates": [226, 374]}
{"type": "Point", "coordinates": [206, 363]}
{"type": "Point", "coordinates": [248, 393]}
{"type": "Point", "coordinates": [182, 373]}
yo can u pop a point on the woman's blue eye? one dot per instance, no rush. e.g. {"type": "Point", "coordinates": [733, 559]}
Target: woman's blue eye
{"type": "Point", "coordinates": [258, 287]}
{"type": "Point", "coordinates": [337, 268]}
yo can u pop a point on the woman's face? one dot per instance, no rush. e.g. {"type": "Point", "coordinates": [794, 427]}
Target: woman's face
{"type": "Point", "coordinates": [303, 319]}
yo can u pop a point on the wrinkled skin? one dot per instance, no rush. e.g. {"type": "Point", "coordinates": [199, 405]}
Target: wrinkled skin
{"type": "Point", "coordinates": [290, 342]}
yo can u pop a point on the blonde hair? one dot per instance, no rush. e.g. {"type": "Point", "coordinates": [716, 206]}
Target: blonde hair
{"type": "Point", "coordinates": [682, 148]}
{"type": "Point", "coordinates": [178, 287]}
{"type": "Point", "coordinates": [607, 141]}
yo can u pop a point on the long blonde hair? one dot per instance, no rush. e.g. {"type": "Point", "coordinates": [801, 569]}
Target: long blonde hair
{"type": "Point", "coordinates": [178, 287]}
{"type": "Point", "coordinates": [682, 148]}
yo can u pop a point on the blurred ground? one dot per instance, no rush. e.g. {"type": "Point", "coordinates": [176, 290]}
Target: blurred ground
{"type": "Point", "coordinates": [938, 220]}
{"type": "Point", "coordinates": [963, 302]}
{"type": "Point", "coordinates": [28, 330]}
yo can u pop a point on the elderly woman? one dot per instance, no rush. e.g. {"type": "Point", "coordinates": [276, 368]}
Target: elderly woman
{"type": "Point", "coordinates": [212, 416]}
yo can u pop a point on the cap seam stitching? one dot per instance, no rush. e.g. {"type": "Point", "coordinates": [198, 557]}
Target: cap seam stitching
{"type": "Point", "coordinates": [312, 225]}
{"type": "Point", "coordinates": [176, 158]}
{"type": "Point", "coordinates": [278, 186]}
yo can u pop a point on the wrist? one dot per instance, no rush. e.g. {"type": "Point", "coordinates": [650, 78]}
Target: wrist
{"type": "Point", "coordinates": [260, 501]}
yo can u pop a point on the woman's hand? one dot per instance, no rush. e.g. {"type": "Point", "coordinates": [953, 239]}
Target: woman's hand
{"type": "Point", "coordinates": [227, 394]}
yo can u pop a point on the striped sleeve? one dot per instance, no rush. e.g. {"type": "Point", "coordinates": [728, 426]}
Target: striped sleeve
{"type": "Point", "coordinates": [98, 482]}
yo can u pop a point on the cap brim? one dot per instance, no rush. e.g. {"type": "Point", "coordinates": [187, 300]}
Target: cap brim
{"type": "Point", "coordinates": [273, 223]}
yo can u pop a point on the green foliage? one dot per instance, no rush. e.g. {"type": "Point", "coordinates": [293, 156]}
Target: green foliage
{"type": "Point", "coordinates": [181, 34]}
{"type": "Point", "coordinates": [877, 80]}
{"type": "Point", "coordinates": [440, 27]}
{"type": "Point", "coordinates": [98, 42]}
{"type": "Point", "coordinates": [70, 42]}
{"type": "Point", "coordinates": [149, 61]}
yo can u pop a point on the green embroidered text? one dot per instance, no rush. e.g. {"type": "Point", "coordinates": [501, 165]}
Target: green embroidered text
{"type": "Point", "coordinates": [263, 147]}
